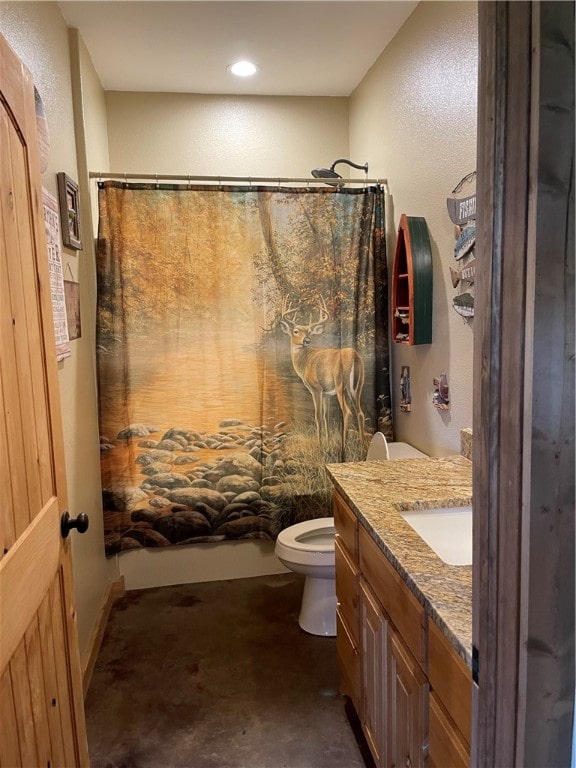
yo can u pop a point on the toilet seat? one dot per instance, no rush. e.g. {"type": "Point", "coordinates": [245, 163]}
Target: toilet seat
{"type": "Point", "coordinates": [311, 536]}
{"type": "Point", "coordinates": [309, 542]}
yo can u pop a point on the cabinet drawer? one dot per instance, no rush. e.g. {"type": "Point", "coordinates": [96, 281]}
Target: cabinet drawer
{"type": "Point", "coordinates": [349, 662]}
{"type": "Point", "coordinates": [447, 748]}
{"type": "Point", "coordinates": [450, 679]}
{"type": "Point", "coordinates": [347, 577]}
{"type": "Point", "coordinates": [346, 525]}
{"type": "Point", "coordinates": [404, 610]}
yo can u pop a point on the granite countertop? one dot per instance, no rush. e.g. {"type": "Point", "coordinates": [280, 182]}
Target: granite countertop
{"type": "Point", "coordinates": [377, 491]}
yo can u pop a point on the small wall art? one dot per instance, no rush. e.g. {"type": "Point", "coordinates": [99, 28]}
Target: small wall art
{"type": "Point", "coordinates": [405, 394]}
{"type": "Point", "coordinates": [52, 230]}
{"type": "Point", "coordinates": [69, 200]}
{"type": "Point", "coordinates": [72, 295]}
{"type": "Point", "coordinates": [441, 396]}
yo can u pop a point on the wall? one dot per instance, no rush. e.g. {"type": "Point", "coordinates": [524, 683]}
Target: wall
{"type": "Point", "coordinates": [227, 135]}
{"type": "Point", "coordinates": [38, 34]}
{"type": "Point", "coordinates": [413, 117]}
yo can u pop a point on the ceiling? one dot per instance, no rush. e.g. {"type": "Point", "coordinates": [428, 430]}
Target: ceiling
{"type": "Point", "coordinates": [302, 48]}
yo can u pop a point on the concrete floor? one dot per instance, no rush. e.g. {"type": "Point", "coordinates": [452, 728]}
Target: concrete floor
{"type": "Point", "coordinates": [217, 675]}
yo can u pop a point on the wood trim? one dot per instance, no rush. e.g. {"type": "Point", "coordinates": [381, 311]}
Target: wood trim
{"type": "Point", "coordinates": [548, 632]}
{"type": "Point", "coordinates": [523, 463]}
{"type": "Point", "coordinates": [73, 653]}
{"type": "Point", "coordinates": [114, 591]}
{"type": "Point", "coordinates": [503, 183]}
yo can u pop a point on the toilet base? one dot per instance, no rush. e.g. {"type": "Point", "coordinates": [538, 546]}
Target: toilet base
{"type": "Point", "coordinates": [318, 610]}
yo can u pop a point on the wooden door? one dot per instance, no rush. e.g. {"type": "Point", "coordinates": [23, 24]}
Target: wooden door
{"type": "Point", "coordinates": [407, 722]}
{"type": "Point", "coordinates": [41, 707]}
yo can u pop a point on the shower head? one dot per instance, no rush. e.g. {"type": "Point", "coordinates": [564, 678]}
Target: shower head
{"type": "Point", "coordinates": [330, 173]}
{"type": "Point", "coordinates": [325, 173]}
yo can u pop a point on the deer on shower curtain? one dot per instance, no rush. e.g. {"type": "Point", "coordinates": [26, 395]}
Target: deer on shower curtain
{"type": "Point", "coordinates": [242, 345]}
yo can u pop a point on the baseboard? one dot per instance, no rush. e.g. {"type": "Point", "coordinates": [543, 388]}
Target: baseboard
{"type": "Point", "coordinates": [115, 590]}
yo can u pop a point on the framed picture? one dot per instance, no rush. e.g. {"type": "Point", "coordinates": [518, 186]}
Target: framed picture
{"type": "Point", "coordinates": [69, 200]}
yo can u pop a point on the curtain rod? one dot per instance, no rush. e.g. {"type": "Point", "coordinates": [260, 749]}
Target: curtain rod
{"type": "Point", "coordinates": [232, 179]}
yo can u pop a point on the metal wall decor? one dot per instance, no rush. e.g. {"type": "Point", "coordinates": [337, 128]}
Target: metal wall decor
{"type": "Point", "coordinates": [69, 200]}
{"type": "Point", "coordinates": [405, 394]}
{"type": "Point", "coordinates": [462, 212]}
{"type": "Point", "coordinates": [441, 396]}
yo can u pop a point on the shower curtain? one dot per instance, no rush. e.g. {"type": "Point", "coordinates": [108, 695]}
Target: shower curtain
{"type": "Point", "coordinates": [242, 344]}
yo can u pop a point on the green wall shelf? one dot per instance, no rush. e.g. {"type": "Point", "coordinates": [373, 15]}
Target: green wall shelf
{"type": "Point", "coordinates": [412, 283]}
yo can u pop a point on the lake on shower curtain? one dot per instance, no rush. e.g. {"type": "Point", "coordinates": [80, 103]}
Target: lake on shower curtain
{"type": "Point", "coordinates": [242, 344]}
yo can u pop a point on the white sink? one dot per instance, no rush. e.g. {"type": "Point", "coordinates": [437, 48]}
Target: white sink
{"type": "Point", "coordinates": [448, 531]}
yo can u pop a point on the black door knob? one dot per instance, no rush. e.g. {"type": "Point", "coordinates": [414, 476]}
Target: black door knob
{"type": "Point", "coordinates": [67, 523]}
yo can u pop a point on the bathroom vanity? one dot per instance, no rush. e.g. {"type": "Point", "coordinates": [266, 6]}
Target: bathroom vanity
{"type": "Point", "coordinates": [403, 615]}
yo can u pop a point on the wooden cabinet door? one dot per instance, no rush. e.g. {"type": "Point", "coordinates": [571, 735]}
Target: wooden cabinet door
{"type": "Point", "coordinates": [348, 662]}
{"type": "Point", "coordinates": [447, 747]}
{"type": "Point", "coordinates": [347, 577]}
{"type": "Point", "coordinates": [374, 673]}
{"type": "Point", "coordinates": [348, 624]}
{"type": "Point", "coordinates": [41, 705]}
{"type": "Point", "coordinates": [407, 720]}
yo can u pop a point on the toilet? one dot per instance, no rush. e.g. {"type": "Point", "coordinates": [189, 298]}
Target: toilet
{"type": "Point", "coordinates": [308, 548]}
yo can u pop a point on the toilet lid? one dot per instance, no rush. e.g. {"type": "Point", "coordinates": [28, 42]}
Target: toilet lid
{"type": "Point", "coordinates": [311, 535]}
{"type": "Point", "coordinates": [378, 448]}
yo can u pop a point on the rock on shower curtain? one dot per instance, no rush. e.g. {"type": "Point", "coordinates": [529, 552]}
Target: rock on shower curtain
{"type": "Point", "coordinates": [242, 344]}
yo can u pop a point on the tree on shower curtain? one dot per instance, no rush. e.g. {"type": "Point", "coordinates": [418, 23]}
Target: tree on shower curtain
{"type": "Point", "coordinates": [242, 345]}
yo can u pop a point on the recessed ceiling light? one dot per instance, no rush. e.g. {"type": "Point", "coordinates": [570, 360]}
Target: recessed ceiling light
{"type": "Point", "coordinates": [243, 69]}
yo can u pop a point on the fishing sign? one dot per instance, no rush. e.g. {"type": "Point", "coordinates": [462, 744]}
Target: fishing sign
{"type": "Point", "coordinates": [462, 212]}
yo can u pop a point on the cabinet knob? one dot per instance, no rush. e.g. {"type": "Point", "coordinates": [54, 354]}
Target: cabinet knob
{"type": "Point", "coordinates": [67, 523]}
